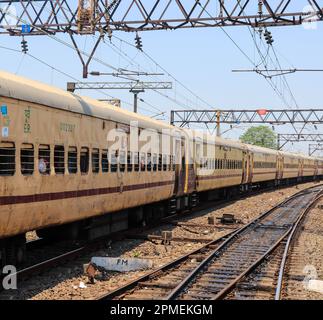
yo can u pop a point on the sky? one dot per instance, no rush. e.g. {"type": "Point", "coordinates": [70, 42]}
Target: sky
{"type": "Point", "coordinates": [201, 59]}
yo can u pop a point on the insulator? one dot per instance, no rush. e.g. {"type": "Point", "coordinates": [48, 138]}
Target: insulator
{"type": "Point", "coordinates": [24, 46]}
{"type": "Point", "coordinates": [260, 4]}
{"type": "Point", "coordinates": [138, 42]}
{"type": "Point", "coordinates": [268, 37]}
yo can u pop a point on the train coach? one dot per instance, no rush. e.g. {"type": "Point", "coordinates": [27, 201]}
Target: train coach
{"type": "Point", "coordinates": [61, 176]}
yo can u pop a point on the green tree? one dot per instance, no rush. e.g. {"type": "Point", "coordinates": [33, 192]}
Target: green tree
{"type": "Point", "coordinates": [260, 136]}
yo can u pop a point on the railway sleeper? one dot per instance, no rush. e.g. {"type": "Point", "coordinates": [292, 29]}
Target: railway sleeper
{"type": "Point", "coordinates": [162, 285]}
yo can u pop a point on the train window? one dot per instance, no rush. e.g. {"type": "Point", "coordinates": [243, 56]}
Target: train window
{"type": "Point", "coordinates": [105, 161]}
{"type": "Point", "coordinates": [136, 161]}
{"type": "Point", "coordinates": [27, 159]}
{"type": "Point", "coordinates": [129, 161]}
{"type": "Point", "coordinates": [95, 160]}
{"type": "Point", "coordinates": [164, 162]}
{"type": "Point", "coordinates": [84, 160]}
{"type": "Point", "coordinates": [160, 162]}
{"type": "Point", "coordinates": [122, 161]}
{"type": "Point", "coordinates": [142, 161]}
{"type": "Point", "coordinates": [72, 160]}
{"type": "Point", "coordinates": [44, 159]}
{"type": "Point", "coordinates": [148, 161]}
{"type": "Point", "coordinates": [114, 161]}
{"type": "Point", "coordinates": [154, 162]}
{"type": "Point", "coordinates": [7, 159]}
{"type": "Point", "coordinates": [59, 159]}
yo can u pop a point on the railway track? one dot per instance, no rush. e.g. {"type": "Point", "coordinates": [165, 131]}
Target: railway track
{"type": "Point", "coordinates": [62, 255]}
{"type": "Point", "coordinates": [221, 268]}
{"type": "Point", "coordinates": [304, 261]}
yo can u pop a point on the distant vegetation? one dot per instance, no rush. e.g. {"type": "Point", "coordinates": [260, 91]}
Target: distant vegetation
{"type": "Point", "coordinates": [261, 136]}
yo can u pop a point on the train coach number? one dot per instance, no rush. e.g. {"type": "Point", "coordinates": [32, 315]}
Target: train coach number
{"type": "Point", "coordinates": [27, 126]}
{"type": "Point", "coordinates": [66, 127]}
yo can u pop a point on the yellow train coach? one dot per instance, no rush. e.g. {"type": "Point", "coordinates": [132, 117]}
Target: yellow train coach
{"type": "Point", "coordinates": [62, 176]}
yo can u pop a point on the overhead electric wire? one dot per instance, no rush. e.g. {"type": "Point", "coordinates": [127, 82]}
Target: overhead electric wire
{"type": "Point", "coordinates": [67, 75]}
{"type": "Point", "coordinates": [167, 72]}
{"type": "Point", "coordinates": [268, 55]}
{"type": "Point", "coordinates": [104, 63]}
{"type": "Point", "coordinates": [274, 87]}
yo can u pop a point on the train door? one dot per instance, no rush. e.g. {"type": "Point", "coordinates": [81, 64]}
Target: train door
{"type": "Point", "coordinates": [122, 160]}
{"type": "Point", "coordinates": [244, 167]}
{"type": "Point", "coordinates": [250, 167]}
{"type": "Point", "coordinates": [277, 167]}
{"type": "Point", "coordinates": [190, 177]}
{"type": "Point", "coordinates": [180, 167]}
{"type": "Point", "coordinates": [316, 170]}
{"type": "Point", "coordinates": [300, 167]}
{"type": "Point", "coordinates": [281, 168]}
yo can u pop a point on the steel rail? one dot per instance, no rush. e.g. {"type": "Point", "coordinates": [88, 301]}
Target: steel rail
{"type": "Point", "coordinates": [218, 250]}
{"type": "Point", "coordinates": [287, 248]}
{"type": "Point", "coordinates": [289, 233]}
{"type": "Point", "coordinates": [231, 235]}
{"type": "Point", "coordinates": [131, 285]}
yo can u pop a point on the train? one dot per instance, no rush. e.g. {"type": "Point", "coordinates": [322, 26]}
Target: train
{"type": "Point", "coordinates": [63, 177]}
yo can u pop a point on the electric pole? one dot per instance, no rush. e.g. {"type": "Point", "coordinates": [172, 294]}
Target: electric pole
{"type": "Point", "coordinates": [134, 87]}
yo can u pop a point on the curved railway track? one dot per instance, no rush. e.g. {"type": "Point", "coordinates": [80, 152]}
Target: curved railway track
{"type": "Point", "coordinates": [218, 269]}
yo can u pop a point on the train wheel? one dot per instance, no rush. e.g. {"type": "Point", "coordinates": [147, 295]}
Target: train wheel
{"type": "Point", "coordinates": [3, 260]}
{"type": "Point", "coordinates": [21, 254]}
{"type": "Point", "coordinates": [10, 254]}
{"type": "Point", "coordinates": [64, 232]}
{"type": "Point", "coordinates": [15, 251]}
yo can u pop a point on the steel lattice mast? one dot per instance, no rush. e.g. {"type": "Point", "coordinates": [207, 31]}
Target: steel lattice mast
{"type": "Point", "coordinates": [134, 15]}
{"type": "Point", "coordinates": [86, 17]}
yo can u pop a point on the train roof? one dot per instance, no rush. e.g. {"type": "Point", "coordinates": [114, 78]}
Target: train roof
{"type": "Point", "coordinates": [24, 89]}
{"type": "Point", "coordinates": [261, 149]}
